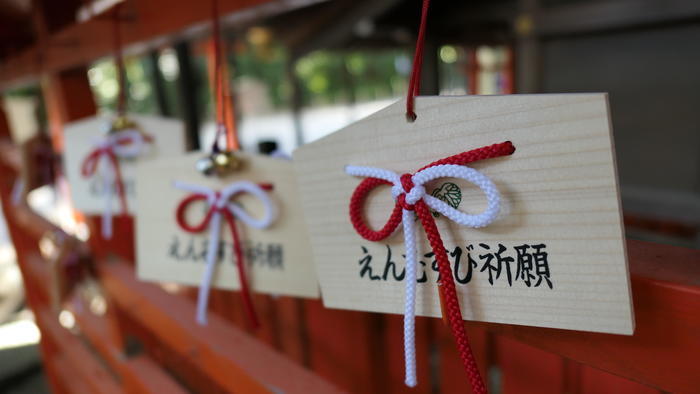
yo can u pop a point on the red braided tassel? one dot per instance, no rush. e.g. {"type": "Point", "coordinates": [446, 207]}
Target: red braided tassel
{"type": "Point", "coordinates": [451, 302]}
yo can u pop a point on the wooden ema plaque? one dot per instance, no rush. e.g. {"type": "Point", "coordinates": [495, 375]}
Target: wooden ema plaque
{"type": "Point", "coordinates": [555, 257]}
{"type": "Point", "coordinates": [277, 258]}
{"type": "Point", "coordinates": [88, 192]}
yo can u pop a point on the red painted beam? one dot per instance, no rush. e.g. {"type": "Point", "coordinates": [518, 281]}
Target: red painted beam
{"type": "Point", "coordinates": [148, 22]}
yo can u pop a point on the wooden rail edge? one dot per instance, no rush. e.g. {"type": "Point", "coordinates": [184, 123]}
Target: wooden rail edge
{"type": "Point", "coordinates": [231, 357]}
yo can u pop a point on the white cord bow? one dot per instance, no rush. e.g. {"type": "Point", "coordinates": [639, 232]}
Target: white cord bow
{"type": "Point", "coordinates": [219, 201]}
{"type": "Point", "coordinates": [411, 197]}
{"type": "Point", "coordinates": [125, 144]}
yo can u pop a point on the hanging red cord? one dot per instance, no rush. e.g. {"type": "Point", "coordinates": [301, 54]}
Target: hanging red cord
{"type": "Point", "coordinates": [237, 246]}
{"type": "Point", "coordinates": [119, 61]}
{"type": "Point", "coordinates": [414, 82]}
{"type": "Point", "coordinates": [229, 114]}
{"type": "Point", "coordinates": [449, 301]}
{"type": "Point", "coordinates": [218, 102]}
{"type": "Point", "coordinates": [225, 118]}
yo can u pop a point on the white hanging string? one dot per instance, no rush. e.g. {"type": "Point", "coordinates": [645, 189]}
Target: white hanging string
{"type": "Point", "coordinates": [125, 144]}
{"type": "Point", "coordinates": [219, 201]}
{"type": "Point", "coordinates": [410, 243]}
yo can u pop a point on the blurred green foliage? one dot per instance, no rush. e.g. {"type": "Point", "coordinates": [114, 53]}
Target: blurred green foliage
{"type": "Point", "coordinates": [139, 87]}
{"type": "Point", "coordinates": [266, 64]}
{"type": "Point", "coordinates": [336, 77]}
{"type": "Point", "coordinates": [325, 77]}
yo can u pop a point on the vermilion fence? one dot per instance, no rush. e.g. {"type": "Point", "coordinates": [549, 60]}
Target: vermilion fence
{"type": "Point", "coordinates": [146, 340]}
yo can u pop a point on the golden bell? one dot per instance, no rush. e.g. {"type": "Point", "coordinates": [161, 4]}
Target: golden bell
{"type": "Point", "coordinates": [123, 123]}
{"type": "Point", "coordinates": [219, 163]}
{"type": "Point", "coordinates": [226, 163]}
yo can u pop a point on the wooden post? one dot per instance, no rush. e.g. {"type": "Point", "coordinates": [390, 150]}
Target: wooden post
{"type": "Point", "coordinates": [21, 241]}
{"type": "Point", "coordinates": [4, 125]}
{"type": "Point", "coordinates": [527, 61]}
{"type": "Point", "coordinates": [189, 88]}
{"type": "Point", "coordinates": [472, 71]}
{"type": "Point", "coordinates": [508, 72]}
{"type": "Point", "coordinates": [68, 97]}
{"type": "Point", "coordinates": [296, 99]}
{"type": "Point", "coordinates": [430, 75]}
{"type": "Point", "coordinates": [158, 84]}
{"type": "Point", "coordinates": [346, 348]}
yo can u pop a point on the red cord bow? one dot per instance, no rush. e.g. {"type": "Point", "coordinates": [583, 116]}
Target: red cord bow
{"type": "Point", "coordinates": [238, 250]}
{"type": "Point", "coordinates": [89, 166]}
{"type": "Point", "coordinates": [448, 292]}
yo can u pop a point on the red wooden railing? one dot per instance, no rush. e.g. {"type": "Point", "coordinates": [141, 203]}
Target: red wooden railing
{"type": "Point", "coordinates": [146, 340]}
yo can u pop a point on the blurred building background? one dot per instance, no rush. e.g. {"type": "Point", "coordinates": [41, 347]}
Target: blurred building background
{"type": "Point", "coordinates": [302, 69]}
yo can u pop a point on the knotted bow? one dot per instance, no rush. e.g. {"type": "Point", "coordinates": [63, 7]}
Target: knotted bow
{"type": "Point", "coordinates": [409, 192]}
{"type": "Point", "coordinates": [125, 144]}
{"type": "Point", "coordinates": [219, 206]}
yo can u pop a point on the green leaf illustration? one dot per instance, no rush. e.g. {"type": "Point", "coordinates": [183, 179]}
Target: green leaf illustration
{"type": "Point", "coordinates": [449, 193]}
